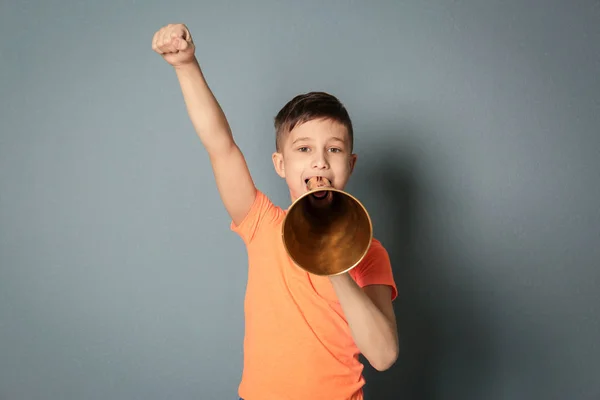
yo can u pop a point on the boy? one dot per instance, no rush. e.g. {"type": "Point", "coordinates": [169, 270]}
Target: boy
{"type": "Point", "coordinates": [303, 333]}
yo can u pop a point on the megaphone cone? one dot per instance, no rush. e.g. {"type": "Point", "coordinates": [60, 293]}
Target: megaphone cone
{"type": "Point", "coordinates": [327, 231]}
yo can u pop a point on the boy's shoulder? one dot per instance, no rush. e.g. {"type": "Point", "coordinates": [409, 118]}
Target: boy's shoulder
{"type": "Point", "coordinates": [377, 252]}
{"type": "Point", "coordinates": [376, 244]}
{"type": "Point", "coordinates": [375, 268]}
{"type": "Point", "coordinates": [263, 214]}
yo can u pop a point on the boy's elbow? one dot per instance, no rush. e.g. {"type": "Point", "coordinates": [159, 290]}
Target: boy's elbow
{"type": "Point", "coordinates": [386, 359]}
{"type": "Point", "coordinates": [385, 364]}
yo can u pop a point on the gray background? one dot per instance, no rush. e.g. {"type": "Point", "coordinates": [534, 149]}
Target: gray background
{"type": "Point", "coordinates": [478, 138]}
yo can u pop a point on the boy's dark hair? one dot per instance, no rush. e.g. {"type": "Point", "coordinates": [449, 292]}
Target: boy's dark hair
{"type": "Point", "coordinates": [310, 106]}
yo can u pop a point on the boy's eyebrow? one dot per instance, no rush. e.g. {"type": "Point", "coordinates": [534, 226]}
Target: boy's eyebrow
{"type": "Point", "coordinates": [305, 138]}
{"type": "Point", "coordinates": [300, 139]}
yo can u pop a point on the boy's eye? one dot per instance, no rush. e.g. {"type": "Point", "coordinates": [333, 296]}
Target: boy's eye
{"type": "Point", "coordinates": [304, 149]}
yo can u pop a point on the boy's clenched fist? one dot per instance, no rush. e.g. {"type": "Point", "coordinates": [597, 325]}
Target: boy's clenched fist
{"type": "Point", "coordinates": [174, 43]}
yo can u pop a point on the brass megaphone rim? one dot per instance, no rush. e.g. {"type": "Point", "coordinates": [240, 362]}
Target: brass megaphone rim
{"type": "Point", "coordinates": [327, 189]}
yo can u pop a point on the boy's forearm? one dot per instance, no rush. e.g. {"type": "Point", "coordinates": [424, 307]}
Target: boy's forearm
{"type": "Point", "coordinates": [204, 111]}
{"type": "Point", "coordinates": [373, 332]}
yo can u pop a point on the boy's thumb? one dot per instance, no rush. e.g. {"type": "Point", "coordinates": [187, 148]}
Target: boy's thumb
{"type": "Point", "coordinates": [182, 44]}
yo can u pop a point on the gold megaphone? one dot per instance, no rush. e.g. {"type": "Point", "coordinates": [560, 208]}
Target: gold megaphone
{"type": "Point", "coordinates": [326, 230]}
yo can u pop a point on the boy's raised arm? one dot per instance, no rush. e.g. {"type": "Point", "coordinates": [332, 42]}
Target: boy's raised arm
{"type": "Point", "coordinates": [234, 182]}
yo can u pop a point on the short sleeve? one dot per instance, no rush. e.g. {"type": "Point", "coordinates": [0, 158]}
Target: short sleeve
{"type": "Point", "coordinates": [375, 269]}
{"type": "Point", "coordinates": [262, 212]}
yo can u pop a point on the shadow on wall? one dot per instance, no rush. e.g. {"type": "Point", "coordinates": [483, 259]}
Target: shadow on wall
{"type": "Point", "coordinates": [444, 350]}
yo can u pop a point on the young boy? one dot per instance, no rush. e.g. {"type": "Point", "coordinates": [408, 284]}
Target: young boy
{"type": "Point", "coordinates": [303, 332]}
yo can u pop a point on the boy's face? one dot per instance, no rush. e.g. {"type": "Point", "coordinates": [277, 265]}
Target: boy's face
{"type": "Point", "coordinates": [315, 148]}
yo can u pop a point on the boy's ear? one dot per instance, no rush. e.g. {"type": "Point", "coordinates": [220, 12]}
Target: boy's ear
{"type": "Point", "coordinates": [278, 164]}
{"type": "Point", "coordinates": [352, 161]}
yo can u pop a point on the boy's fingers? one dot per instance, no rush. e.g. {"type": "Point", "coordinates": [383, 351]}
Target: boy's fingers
{"type": "Point", "coordinates": [165, 42]}
{"type": "Point", "coordinates": [154, 41]}
{"type": "Point", "coordinates": [178, 32]}
{"type": "Point", "coordinates": [176, 38]}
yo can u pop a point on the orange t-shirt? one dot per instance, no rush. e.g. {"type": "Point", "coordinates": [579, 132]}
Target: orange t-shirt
{"type": "Point", "coordinates": [297, 342]}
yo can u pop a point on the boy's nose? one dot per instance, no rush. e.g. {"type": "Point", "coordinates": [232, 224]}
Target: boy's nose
{"type": "Point", "coordinates": [320, 161]}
